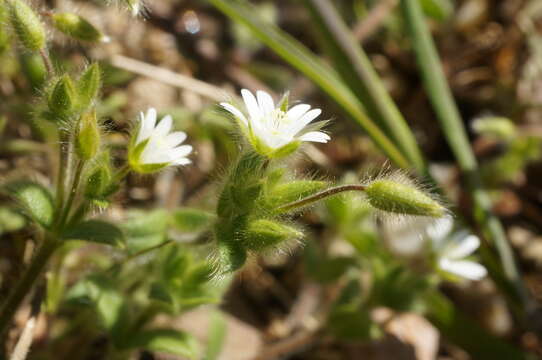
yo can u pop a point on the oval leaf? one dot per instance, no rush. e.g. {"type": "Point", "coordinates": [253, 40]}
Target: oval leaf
{"type": "Point", "coordinates": [96, 231]}
{"type": "Point", "coordinates": [35, 200]}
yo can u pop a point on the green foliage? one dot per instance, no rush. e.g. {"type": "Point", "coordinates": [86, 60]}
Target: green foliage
{"type": "Point", "coordinates": [77, 27]}
{"type": "Point", "coordinates": [438, 9]}
{"type": "Point", "coordinates": [26, 24]}
{"type": "Point", "coordinates": [10, 220]}
{"type": "Point", "coordinates": [216, 337]}
{"type": "Point", "coordinates": [166, 340]}
{"type": "Point", "coordinates": [34, 69]}
{"type": "Point", "coordinates": [35, 200]}
{"type": "Point", "coordinates": [145, 229]}
{"type": "Point", "coordinates": [192, 220]}
{"type": "Point", "coordinates": [96, 231]}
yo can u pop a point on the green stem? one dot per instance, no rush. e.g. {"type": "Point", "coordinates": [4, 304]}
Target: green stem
{"type": "Point", "coordinates": [319, 196]}
{"type": "Point", "coordinates": [73, 191]}
{"type": "Point", "coordinates": [454, 130]}
{"type": "Point", "coordinates": [23, 286]}
{"type": "Point", "coordinates": [64, 138]}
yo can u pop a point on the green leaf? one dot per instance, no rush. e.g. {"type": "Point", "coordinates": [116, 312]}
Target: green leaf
{"type": "Point", "coordinates": [191, 220]}
{"type": "Point", "coordinates": [145, 229]}
{"type": "Point", "coordinates": [10, 220]}
{"type": "Point", "coordinates": [166, 340]}
{"type": "Point", "coordinates": [35, 200]}
{"type": "Point", "coordinates": [217, 335]}
{"type": "Point", "coordinates": [305, 61]}
{"type": "Point", "coordinates": [96, 231]}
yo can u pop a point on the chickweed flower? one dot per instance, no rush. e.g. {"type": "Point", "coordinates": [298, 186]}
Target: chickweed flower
{"type": "Point", "coordinates": [155, 147]}
{"type": "Point", "coordinates": [452, 250]}
{"type": "Point", "coordinates": [276, 131]}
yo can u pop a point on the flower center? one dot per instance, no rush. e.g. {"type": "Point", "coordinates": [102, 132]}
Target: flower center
{"type": "Point", "coordinates": [276, 120]}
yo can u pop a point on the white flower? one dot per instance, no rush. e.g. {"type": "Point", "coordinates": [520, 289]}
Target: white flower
{"type": "Point", "coordinates": [155, 147]}
{"type": "Point", "coordinates": [452, 250]}
{"type": "Point", "coordinates": [275, 131]}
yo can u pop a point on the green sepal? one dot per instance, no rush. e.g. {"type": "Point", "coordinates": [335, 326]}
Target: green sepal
{"type": "Point", "coordinates": [230, 257]}
{"type": "Point", "coordinates": [97, 182]}
{"type": "Point", "coordinates": [262, 234]}
{"type": "Point", "coordinates": [36, 201]}
{"type": "Point", "coordinates": [283, 103]}
{"type": "Point", "coordinates": [27, 25]}
{"type": "Point", "coordinates": [192, 220]}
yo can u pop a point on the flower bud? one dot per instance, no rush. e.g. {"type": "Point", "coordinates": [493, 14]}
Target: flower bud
{"type": "Point", "coordinates": [87, 140]}
{"type": "Point", "coordinates": [88, 85]}
{"type": "Point", "coordinates": [77, 27]}
{"type": "Point", "coordinates": [34, 69]}
{"type": "Point", "coordinates": [392, 196]}
{"type": "Point", "coordinates": [97, 182]}
{"type": "Point", "coordinates": [262, 234]}
{"type": "Point", "coordinates": [63, 98]}
{"type": "Point", "coordinates": [26, 24]}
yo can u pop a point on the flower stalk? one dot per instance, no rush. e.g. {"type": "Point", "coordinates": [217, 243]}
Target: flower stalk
{"type": "Point", "coordinates": [24, 285]}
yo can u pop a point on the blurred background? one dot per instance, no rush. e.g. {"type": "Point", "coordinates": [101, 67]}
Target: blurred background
{"type": "Point", "coordinates": [340, 294]}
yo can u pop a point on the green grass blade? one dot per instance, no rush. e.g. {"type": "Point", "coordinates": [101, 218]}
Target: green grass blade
{"type": "Point", "coordinates": [356, 70]}
{"type": "Point", "coordinates": [306, 62]}
{"type": "Point", "coordinates": [448, 115]}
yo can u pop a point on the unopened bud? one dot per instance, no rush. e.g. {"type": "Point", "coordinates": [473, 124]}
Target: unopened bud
{"type": "Point", "coordinates": [88, 85]}
{"type": "Point", "coordinates": [400, 198]}
{"type": "Point", "coordinates": [77, 27]}
{"type": "Point", "coordinates": [262, 234]}
{"type": "Point", "coordinates": [26, 24]}
{"type": "Point", "coordinates": [63, 98]}
{"type": "Point", "coordinates": [288, 192]}
{"type": "Point", "coordinates": [87, 140]}
{"type": "Point", "coordinates": [97, 182]}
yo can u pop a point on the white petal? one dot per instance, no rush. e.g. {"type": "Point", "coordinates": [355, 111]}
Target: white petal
{"type": "Point", "coordinates": [462, 248]}
{"type": "Point", "coordinates": [265, 101]}
{"type": "Point", "coordinates": [251, 104]}
{"type": "Point", "coordinates": [179, 152]}
{"type": "Point", "coordinates": [467, 269]}
{"type": "Point", "coordinates": [439, 229]}
{"type": "Point", "coordinates": [296, 126]}
{"type": "Point", "coordinates": [175, 138]}
{"type": "Point", "coordinates": [238, 114]}
{"type": "Point", "coordinates": [146, 125]}
{"type": "Point", "coordinates": [316, 136]}
{"type": "Point", "coordinates": [297, 111]}
{"type": "Point", "coordinates": [163, 127]}
{"type": "Point", "coordinates": [181, 161]}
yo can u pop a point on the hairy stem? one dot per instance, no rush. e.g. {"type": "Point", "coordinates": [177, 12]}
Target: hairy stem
{"type": "Point", "coordinates": [319, 196]}
{"type": "Point", "coordinates": [64, 138]}
{"type": "Point", "coordinates": [73, 191]}
{"type": "Point", "coordinates": [24, 285]}
{"type": "Point", "coordinates": [47, 61]}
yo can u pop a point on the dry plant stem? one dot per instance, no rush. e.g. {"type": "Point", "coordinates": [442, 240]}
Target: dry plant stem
{"type": "Point", "coordinates": [319, 196]}
{"type": "Point", "coordinates": [23, 286]}
{"type": "Point", "coordinates": [20, 352]}
{"type": "Point", "coordinates": [169, 77]}
{"type": "Point", "coordinates": [452, 125]}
